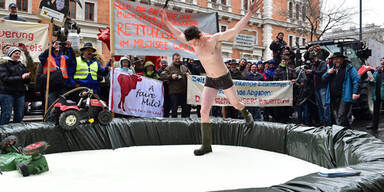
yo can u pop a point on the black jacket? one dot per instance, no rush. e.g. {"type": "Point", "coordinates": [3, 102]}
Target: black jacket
{"type": "Point", "coordinates": [277, 48]}
{"type": "Point", "coordinates": [236, 75]}
{"type": "Point", "coordinates": [318, 71]}
{"type": "Point", "coordinates": [10, 78]}
{"type": "Point", "coordinates": [282, 74]}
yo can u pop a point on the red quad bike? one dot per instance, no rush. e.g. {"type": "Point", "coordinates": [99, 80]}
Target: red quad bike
{"type": "Point", "coordinates": [68, 114]}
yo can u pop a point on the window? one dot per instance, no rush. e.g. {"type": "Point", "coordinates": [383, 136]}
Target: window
{"type": "Point", "coordinates": [290, 10]}
{"type": "Point", "coordinates": [22, 5]}
{"type": "Point", "coordinates": [304, 13]}
{"type": "Point", "coordinates": [2, 4]}
{"type": "Point", "coordinates": [290, 41]}
{"type": "Point", "coordinates": [213, 1]}
{"type": "Point", "coordinates": [89, 11]}
{"type": "Point", "coordinates": [304, 41]}
{"type": "Point", "coordinates": [223, 28]}
{"type": "Point", "coordinates": [297, 12]}
{"type": "Point", "coordinates": [224, 2]}
{"type": "Point", "coordinates": [245, 4]}
{"type": "Point", "coordinates": [297, 41]}
{"type": "Point", "coordinates": [72, 9]}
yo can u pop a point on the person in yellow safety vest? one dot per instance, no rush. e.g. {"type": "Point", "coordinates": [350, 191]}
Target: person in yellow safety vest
{"type": "Point", "coordinates": [61, 70]}
{"type": "Point", "coordinates": [88, 69]}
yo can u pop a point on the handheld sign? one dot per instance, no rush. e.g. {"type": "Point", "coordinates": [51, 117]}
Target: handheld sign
{"type": "Point", "coordinates": [57, 10]}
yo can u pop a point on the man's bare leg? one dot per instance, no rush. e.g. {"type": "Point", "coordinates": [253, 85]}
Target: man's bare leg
{"type": "Point", "coordinates": [208, 97]}
{"type": "Point", "coordinates": [231, 94]}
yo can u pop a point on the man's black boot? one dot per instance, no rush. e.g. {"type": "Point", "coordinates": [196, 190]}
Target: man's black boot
{"type": "Point", "coordinates": [373, 127]}
{"type": "Point", "coordinates": [206, 137]}
{"type": "Point", "coordinates": [248, 120]}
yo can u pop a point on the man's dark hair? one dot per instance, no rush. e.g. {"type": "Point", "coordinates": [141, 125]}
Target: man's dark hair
{"type": "Point", "coordinates": [175, 54]}
{"type": "Point", "coordinates": [192, 32]}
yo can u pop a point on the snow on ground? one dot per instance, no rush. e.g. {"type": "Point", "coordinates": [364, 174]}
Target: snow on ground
{"type": "Point", "coordinates": [161, 168]}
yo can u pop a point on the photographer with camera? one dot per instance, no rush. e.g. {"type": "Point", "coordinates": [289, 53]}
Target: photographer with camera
{"type": "Point", "coordinates": [176, 76]}
{"type": "Point", "coordinates": [61, 70]}
{"type": "Point", "coordinates": [277, 46]}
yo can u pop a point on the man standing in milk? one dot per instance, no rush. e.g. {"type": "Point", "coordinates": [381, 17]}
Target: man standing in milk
{"type": "Point", "coordinates": [208, 49]}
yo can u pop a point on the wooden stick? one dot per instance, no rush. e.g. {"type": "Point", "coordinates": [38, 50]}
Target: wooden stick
{"type": "Point", "coordinates": [49, 64]}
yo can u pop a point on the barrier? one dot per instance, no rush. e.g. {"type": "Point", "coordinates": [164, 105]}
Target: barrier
{"type": "Point", "coordinates": [329, 147]}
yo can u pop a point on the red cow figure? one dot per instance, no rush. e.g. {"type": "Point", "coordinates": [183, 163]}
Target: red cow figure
{"type": "Point", "coordinates": [105, 37]}
{"type": "Point", "coordinates": [127, 83]}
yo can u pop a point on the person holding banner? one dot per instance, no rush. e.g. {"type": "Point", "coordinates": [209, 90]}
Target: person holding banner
{"type": "Point", "coordinates": [208, 49]}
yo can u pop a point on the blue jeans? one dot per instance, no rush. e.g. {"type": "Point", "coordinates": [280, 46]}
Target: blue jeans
{"type": "Point", "coordinates": [302, 113]}
{"type": "Point", "coordinates": [255, 111]}
{"type": "Point", "coordinates": [322, 107]}
{"type": "Point", "coordinates": [8, 102]}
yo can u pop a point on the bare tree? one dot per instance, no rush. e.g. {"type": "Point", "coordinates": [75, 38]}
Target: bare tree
{"type": "Point", "coordinates": [318, 17]}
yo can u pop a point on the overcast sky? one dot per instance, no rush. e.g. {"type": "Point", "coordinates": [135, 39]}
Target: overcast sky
{"type": "Point", "coordinates": [372, 10]}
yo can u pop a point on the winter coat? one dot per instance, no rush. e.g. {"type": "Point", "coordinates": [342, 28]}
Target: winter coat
{"type": "Point", "coordinates": [281, 74]}
{"type": "Point", "coordinates": [41, 77]}
{"type": "Point", "coordinates": [14, 18]}
{"type": "Point", "coordinates": [154, 75]}
{"type": "Point", "coordinates": [176, 86]}
{"type": "Point", "coordinates": [269, 73]}
{"type": "Point", "coordinates": [317, 74]}
{"type": "Point", "coordinates": [11, 82]}
{"type": "Point", "coordinates": [277, 48]}
{"type": "Point", "coordinates": [350, 84]}
{"type": "Point", "coordinates": [236, 74]}
{"type": "Point", "coordinates": [376, 75]}
{"type": "Point", "coordinates": [254, 76]}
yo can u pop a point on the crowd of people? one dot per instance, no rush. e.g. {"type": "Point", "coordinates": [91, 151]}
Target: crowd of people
{"type": "Point", "coordinates": [325, 86]}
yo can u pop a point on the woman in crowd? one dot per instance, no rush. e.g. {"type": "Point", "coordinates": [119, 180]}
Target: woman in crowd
{"type": "Point", "coordinates": [14, 77]}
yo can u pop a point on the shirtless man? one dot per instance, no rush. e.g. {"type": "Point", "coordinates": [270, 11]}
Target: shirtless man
{"type": "Point", "coordinates": [208, 49]}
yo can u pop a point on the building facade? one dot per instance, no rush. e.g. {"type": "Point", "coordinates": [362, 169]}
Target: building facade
{"type": "Point", "coordinates": [286, 16]}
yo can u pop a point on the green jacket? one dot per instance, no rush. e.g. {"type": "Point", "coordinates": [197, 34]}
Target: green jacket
{"type": "Point", "coordinates": [376, 76]}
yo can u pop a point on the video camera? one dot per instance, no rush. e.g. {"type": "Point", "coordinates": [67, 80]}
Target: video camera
{"type": "Point", "coordinates": [62, 32]}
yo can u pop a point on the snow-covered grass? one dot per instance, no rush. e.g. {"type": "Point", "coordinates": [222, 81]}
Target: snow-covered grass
{"type": "Point", "coordinates": [161, 168]}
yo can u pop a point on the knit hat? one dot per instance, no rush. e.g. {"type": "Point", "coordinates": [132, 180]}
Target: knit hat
{"type": "Point", "coordinates": [12, 50]}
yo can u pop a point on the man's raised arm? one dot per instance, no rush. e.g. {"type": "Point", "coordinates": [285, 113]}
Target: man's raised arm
{"type": "Point", "coordinates": [229, 34]}
{"type": "Point", "coordinates": [174, 30]}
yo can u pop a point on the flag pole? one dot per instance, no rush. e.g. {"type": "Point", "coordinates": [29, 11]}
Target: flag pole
{"type": "Point", "coordinates": [49, 65]}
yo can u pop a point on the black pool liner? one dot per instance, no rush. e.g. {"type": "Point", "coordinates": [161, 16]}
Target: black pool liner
{"type": "Point", "coordinates": [329, 147]}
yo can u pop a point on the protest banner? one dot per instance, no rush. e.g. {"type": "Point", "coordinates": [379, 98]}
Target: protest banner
{"type": "Point", "coordinates": [135, 95]}
{"type": "Point", "coordinates": [33, 35]}
{"type": "Point", "coordinates": [56, 10]}
{"type": "Point", "coordinates": [251, 93]}
{"type": "Point", "coordinates": [138, 29]}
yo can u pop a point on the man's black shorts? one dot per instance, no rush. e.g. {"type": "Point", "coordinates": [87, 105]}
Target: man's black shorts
{"type": "Point", "coordinates": [223, 82]}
